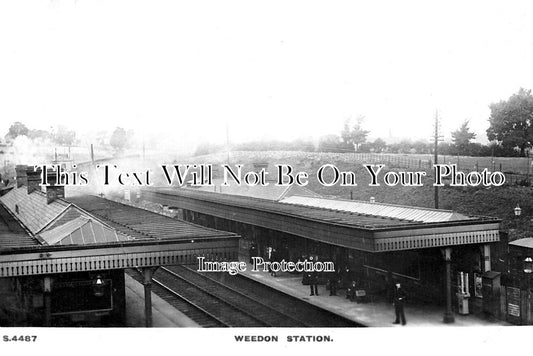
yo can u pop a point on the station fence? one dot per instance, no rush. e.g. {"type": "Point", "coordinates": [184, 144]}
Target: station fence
{"type": "Point", "coordinates": [398, 161]}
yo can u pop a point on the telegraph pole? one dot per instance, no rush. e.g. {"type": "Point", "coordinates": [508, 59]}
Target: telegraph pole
{"type": "Point", "coordinates": [436, 138]}
{"type": "Point", "coordinates": [446, 252]}
{"type": "Point", "coordinates": [227, 140]}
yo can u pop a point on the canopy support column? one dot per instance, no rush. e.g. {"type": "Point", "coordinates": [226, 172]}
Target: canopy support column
{"type": "Point", "coordinates": [448, 314]}
{"type": "Point", "coordinates": [147, 282]}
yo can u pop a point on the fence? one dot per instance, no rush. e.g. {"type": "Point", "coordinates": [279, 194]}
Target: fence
{"type": "Point", "coordinates": [426, 164]}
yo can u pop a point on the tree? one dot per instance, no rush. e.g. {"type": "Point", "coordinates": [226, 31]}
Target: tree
{"type": "Point", "coordinates": [379, 145]}
{"type": "Point", "coordinates": [63, 136]}
{"type": "Point", "coordinates": [39, 134]}
{"type": "Point", "coordinates": [17, 129]}
{"type": "Point", "coordinates": [354, 135]}
{"type": "Point", "coordinates": [511, 121]}
{"type": "Point", "coordinates": [404, 146]}
{"type": "Point", "coordinates": [461, 138]}
{"type": "Point", "coordinates": [119, 139]}
{"type": "Point", "coordinates": [330, 143]}
{"type": "Point", "coordinates": [421, 146]}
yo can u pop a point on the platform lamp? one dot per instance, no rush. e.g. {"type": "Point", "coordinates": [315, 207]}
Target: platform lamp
{"type": "Point", "coordinates": [517, 213]}
{"type": "Point", "coordinates": [528, 269]}
{"type": "Point", "coordinates": [98, 286]}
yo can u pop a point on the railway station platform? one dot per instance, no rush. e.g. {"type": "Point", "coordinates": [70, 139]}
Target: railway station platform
{"type": "Point", "coordinates": [375, 313]}
{"type": "Point", "coordinates": [163, 314]}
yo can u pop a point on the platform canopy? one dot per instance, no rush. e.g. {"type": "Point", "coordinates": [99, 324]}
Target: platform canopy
{"type": "Point", "coordinates": [410, 213]}
{"type": "Point", "coordinates": [391, 229]}
{"type": "Point", "coordinates": [40, 237]}
{"type": "Point", "coordinates": [526, 242]}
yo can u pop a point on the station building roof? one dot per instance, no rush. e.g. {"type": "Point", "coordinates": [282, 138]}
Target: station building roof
{"type": "Point", "coordinates": [397, 228]}
{"type": "Point", "coordinates": [82, 231]}
{"type": "Point", "coordinates": [56, 222]}
{"type": "Point", "coordinates": [39, 236]}
{"type": "Point", "coordinates": [91, 219]}
{"type": "Point", "coordinates": [409, 213]}
{"type": "Point", "coordinates": [32, 209]}
{"type": "Point", "coordinates": [13, 235]}
{"type": "Point", "coordinates": [310, 208]}
{"type": "Point", "coordinates": [141, 223]}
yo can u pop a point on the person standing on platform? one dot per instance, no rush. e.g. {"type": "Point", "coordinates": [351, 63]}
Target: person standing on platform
{"type": "Point", "coordinates": [273, 258]}
{"type": "Point", "coordinates": [269, 257]}
{"type": "Point", "coordinates": [313, 282]}
{"type": "Point", "coordinates": [399, 300]}
{"type": "Point", "coordinates": [253, 251]}
{"type": "Point", "coordinates": [346, 278]}
{"type": "Point", "coordinates": [333, 280]}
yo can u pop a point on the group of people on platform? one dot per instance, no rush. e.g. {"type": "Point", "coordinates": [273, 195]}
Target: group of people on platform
{"type": "Point", "coordinates": [341, 279]}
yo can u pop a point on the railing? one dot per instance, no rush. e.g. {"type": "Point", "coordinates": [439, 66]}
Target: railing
{"type": "Point", "coordinates": [426, 164]}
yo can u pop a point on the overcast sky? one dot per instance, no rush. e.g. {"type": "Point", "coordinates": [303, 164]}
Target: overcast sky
{"type": "Point", "coordinates": [270, 69]}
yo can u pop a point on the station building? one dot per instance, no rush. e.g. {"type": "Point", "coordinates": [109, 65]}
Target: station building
{"type": "Point", "coordinates": [439, 256]}
{"type": "Point", "coordinates": [62, 264]}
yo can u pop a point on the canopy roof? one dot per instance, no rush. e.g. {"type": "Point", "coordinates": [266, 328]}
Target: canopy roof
{"type": "Point", "coordinates": [378, 209]}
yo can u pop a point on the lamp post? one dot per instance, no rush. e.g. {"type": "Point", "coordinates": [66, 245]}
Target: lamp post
{"type": "Point", "coordinates": [528, 269]}
{"type": "Point", "coordinates": [528, 151]}
{"type": "Point", "coordinates": [517, 213]}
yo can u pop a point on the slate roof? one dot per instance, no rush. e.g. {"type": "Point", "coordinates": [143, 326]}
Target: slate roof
{"type": "Point", "coordinates": [11, 233]}
{"type": "Point", "coordinates": [141, 223]}
{"type": "Point", "coordinates": [32, 209]}
{"type": "Point", "coordinates": [58, 222]}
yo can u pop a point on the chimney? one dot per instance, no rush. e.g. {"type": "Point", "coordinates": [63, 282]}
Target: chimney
{"type": "Point", "coordinates": [33, 179]}
{"type": "Point", "coordinates": [21, 177]}
{"type": "Point", "coordinates": [53, 190]}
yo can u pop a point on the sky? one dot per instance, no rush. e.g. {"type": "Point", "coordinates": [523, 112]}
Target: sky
{"type": "Point", "coordinates": [186, 70]}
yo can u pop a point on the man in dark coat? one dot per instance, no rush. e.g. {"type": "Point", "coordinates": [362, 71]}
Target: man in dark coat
{"type": "Point", "coordinates": [399, 300]}
{"type": "Point", "coordinates": [273, 258]}
{"type": "Point", "coordinates": [313, 280]}
{"type": "Point", "coordinates": [333, 281]}
{"type": "Point", "coordinates": [346, 277]}
{"type": "Point", "coordinates": [253, 251]}
{"type": "Point", "coordinates": [314, 283]}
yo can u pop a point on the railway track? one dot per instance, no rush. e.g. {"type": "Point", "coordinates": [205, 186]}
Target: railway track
{"type": "Point", "coordinates": [307, 314]}
{"type": "Point", "coordinates": [188, 307]}
{"type": "Point", "coordinates": [220, 300]}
